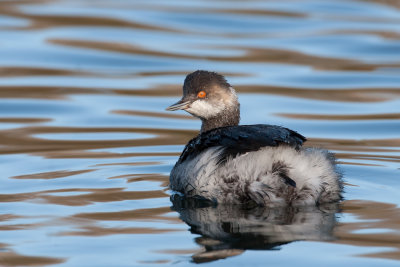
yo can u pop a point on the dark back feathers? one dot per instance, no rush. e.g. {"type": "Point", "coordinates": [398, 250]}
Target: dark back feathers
{"type": "Point", "coordinates": [237, 140]}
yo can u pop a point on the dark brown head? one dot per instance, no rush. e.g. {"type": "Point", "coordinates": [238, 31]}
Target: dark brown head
{"type": "Point", "coordinates": [208, 96]}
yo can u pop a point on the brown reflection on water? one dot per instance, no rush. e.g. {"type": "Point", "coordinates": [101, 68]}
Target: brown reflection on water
{"type": "Point", "coordinates": [370, 145]}
{"type": "Point", "coordinates": [251, 55]}
{"type": "Point", "coordinates": [150, 177]}
{"type": "Point", "coordinates": [98, 155]}
{"type": "Point", "coordinates": [339, 95]}
{"type": "Point", "coordinates": [101, 231]}
{"type": "Point", "coordinates": [10, 227]}
{"type": "Point", "coordinates": [153, 114]}
{"type": "Point", "coordinates": [375, 217]}
{"type": "Point", "coordinates": [392, 3]}
{"type": "Point", "coordinates": [37, 21]}
{"type": "Point", "coordinates": [88, 196]}
{"type": "Point", "coordinates": [127, 215]}
{"type": "Point", "coordinates": [184, 73]}
{"type": "Point", "coordinates": [7, 217]}
{"type": "Point", "coordinates": [88, 223]}
{"type": "Point", "coordinates": [364, 157]}
{"type": "Point", "coordinates": [98, 195]}
{"type": "Point", "coordinates": [51, 175]}
{"type": "Point", "coordinates": [386, 116]}
{"type": "Point", "coordinates": [91, 220]}
{"type": "Point", "coordinates": [18, 226]}
{"type": "Point", "coordinates": [149, 163]}
{"type": "Point", "coordinates": [247, 11]}
{"type": "Point", "coordinates": [374, 149]}
{"type": "Point", "coordinates": [383, 34]}
{"type": "Point", "coordinates": [32, 71]}
{"type": "Point", "coordinates": [260, 12]}
{"type": "Point", "coordinates": [45, 92]}
{"type": "Point", "coordinates": [331, 94]}
{"type": "Point", "coordinates": [11, 258]}
{"type": "Point", "coordinates": [21, 140]}
{"type": "Point", "coordinates": [23, 120]}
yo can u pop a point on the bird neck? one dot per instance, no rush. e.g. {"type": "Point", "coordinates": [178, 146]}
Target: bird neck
{"type": "Point", "coordinates": [228, 117]}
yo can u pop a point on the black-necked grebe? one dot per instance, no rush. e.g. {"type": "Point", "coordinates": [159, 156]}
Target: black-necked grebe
{"type": "Point", "coordinates": [261, 164]}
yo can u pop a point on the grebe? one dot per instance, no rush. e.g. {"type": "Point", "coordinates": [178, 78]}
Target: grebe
{"type": "Point", "coordinates": [261, 164]}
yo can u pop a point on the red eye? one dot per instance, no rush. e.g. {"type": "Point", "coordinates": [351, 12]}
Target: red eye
{"type": "Point", "coordinates": [201, 94]}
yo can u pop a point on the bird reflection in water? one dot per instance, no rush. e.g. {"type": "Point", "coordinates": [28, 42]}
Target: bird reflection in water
{"type": "Point", "coordinates": [229, 230]}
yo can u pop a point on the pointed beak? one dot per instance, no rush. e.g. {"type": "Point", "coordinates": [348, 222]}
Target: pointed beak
{"type": "Point", "coordinates": [181, 104]}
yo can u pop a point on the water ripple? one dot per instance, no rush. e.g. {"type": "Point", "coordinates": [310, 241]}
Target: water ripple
{"type": "Point", "coordinates": [86, 145]}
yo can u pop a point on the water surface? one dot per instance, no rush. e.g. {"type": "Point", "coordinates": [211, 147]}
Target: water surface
{"type": "Point", "coordinates": [86, 146]}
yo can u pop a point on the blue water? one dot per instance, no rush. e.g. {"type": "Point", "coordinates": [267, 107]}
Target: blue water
{"type": "Point", "coordinates": [86, 145]}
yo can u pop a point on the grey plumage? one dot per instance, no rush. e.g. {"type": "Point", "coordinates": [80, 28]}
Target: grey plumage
{"type": "Point", "coordinates": [262, 164]}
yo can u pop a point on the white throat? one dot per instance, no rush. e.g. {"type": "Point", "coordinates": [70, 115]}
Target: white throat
{"type": "Point", "coordinates": [204, 109]}
{"type": "Point", "coordinates": [207, 109]}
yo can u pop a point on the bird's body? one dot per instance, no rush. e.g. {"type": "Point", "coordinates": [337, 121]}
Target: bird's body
{"type": "Point", "coordinates": [261, 164]}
